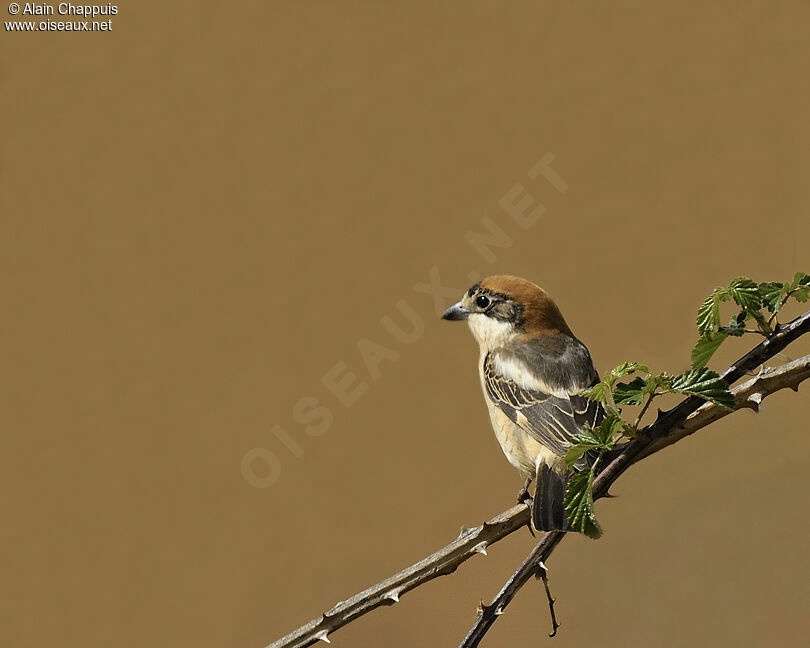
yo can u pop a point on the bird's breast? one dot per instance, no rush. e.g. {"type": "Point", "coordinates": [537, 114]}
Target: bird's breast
{"type": "Point", "coordinates": [522, 450]}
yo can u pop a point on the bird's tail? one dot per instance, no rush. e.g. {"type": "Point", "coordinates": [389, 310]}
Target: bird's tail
{"type": "Point", "coordinates": [548, 510]}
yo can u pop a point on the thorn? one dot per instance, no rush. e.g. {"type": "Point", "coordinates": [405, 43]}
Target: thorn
{"type": "Point", "coordinates": [541, 572]}
{"type": "Point", "coordinates": [756, 373]}
{"type": "Point", "coordinates": [483, 608]}
{"type": "Point", "coordinates": [481, 548]}
{"type": "Point", "coordinates": [393, 595]}
{"type": "Point", "coordinates": [464, 531]}
{"type": "Point", "coordinates": [322, 636]}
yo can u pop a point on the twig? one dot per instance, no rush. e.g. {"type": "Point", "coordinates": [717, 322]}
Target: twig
{"type": "Point", "coordinates": [486, 617]}
{"type": "Point", "coordinates": [543, 575]}
{"type": "Point", "coordinates": [643, 410]}
{"type": "Point", "coordinates": [469, 543]}
{"type": "Point", "coordinates": [474, 541]}
{"type": "Point", "coordinates": [685, 418]}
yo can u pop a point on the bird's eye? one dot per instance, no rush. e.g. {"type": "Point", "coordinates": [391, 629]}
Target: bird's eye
{"type": "Point", "coordinates": [482, 301]}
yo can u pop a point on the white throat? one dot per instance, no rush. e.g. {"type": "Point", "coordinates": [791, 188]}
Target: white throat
{"type": "Point", "coordinates": [491, 334]}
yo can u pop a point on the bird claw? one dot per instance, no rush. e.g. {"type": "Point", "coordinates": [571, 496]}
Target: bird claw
{"type": "Point", "coordinates": [523, 494]}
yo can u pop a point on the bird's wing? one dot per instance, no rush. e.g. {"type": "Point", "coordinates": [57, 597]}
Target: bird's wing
{"type": "Point", "coordinates": [552, 419]}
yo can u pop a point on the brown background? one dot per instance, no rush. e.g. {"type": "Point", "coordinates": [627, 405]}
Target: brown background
{"type": "Point", "coordinates": [205, 210]}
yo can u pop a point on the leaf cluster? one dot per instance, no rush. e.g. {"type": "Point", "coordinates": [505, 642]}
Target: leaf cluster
{"type": "Point", "coordinates": [611, 392]}
{"type": "Point", "coordinates": [759, 303]}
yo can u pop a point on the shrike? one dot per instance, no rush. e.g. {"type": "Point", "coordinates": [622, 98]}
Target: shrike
{"type": "Point", "coordinates": [533, 372]}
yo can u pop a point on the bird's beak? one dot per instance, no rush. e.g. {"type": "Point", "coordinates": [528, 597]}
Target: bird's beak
{"type": "Point", "coordinates": [456, 312]}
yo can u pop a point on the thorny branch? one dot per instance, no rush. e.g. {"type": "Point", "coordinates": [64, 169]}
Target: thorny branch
{"type": "Point", "coordinates": [684, 419]}
{"type": "Point", "coordinates": [469, 543]}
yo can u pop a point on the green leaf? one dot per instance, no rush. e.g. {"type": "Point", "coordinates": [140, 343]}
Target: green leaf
{"type": "Point", "coordinates": [583, 445]}
{"type": "Point", "coordinates": [653, 382]}
{"type": "Point", "coordinates": [771, 294]}
{"type": "Point", "coordinates": [598, 392]}
{"type": "Point", "coordinates": [579, 504]}
{"type": "Point", "coordinates": [603, 436]}
{"type": "Point", "coordinates": [705, 384]}
{"type": "Point", "coordinates": [800, 279]}
{"type": "Point", "coordinates": [705, 348]}
{"type": "Point", "coordinates": [607, 431]}
{"type": "Point", "coordinates": [631, 393]}
{"type": "Point", "coordinates": [745, 293]}
{"type": "Point", "coordinates": [736, 326]}
{"type": "Point", "coordinates": [709, 312]}
{"type": "Point", "coordinates": [625, 369]}
{"type": "Point", "coordinates": [800, 286]}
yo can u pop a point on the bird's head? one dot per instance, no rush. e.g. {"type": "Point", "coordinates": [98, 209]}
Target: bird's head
{"type": "Point", "coordinates": [503, 310]}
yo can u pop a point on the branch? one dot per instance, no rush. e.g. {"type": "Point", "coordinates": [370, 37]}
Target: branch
{"type": "Point", "coordinates": [469, 543]}
{"type": "Point", "coordinates": [685, 418]}
{"type": "Point", "coordinates": [474, 541]}
{"type": "Point", "coordinates": [748, 395]}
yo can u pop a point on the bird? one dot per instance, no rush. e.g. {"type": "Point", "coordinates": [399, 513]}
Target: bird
{"type": "Point", "coordinates": [533, 373]}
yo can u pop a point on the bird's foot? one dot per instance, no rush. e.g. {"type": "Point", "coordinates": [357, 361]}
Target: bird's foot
{"type": "Point", "coordinates": [523, 494]}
